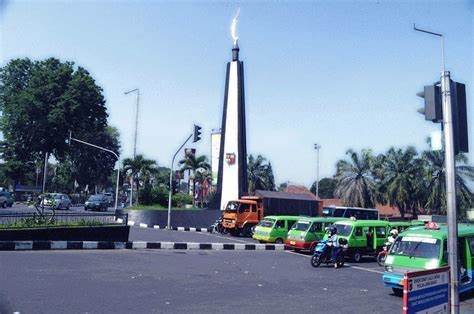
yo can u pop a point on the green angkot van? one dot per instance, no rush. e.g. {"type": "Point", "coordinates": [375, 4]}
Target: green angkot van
{"type": "Point", "coordinates": [308, 231]}
{"type": "Point", "coordinates": [423, 248]}
{"type": "Point", "coordinates": [274, 229]}
{"type": "Point", "coordinates": [403, 225]}
{"type": "Point", "coordinates": [365, 237]}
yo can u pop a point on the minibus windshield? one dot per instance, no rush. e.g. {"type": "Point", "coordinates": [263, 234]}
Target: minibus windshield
{"type": "Point", "coordinates": [268, 223]}
{"type": "Point", "coordinates": [301, 226]}
{"type": "Point", "coordinates": [412, 246]}
{"type": "Point", "coordinates": [343, 230]}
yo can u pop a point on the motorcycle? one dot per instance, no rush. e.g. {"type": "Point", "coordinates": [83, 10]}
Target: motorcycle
{"type": "Point", "coordinates": [323, 254]}
{"type": "Point", "coordinates": [383, 254]}
{"type": "Point", "coordinates": [217, 226]}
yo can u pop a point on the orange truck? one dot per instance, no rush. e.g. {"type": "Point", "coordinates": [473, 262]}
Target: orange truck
{"type": "Point", "coordinates": [240, 216]}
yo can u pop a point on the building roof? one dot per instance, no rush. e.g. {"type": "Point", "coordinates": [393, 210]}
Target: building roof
{"type": "Point", "coordinates": [286, 195]}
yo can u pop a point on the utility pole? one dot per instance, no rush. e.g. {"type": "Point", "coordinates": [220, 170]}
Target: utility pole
{"type": "Point", "coordinates": [450, 177]}
{"type": "Point", "coordinates": [317, 147]}
{"type": "Point", "coordinates": [45, 173]}
{"type": "Point", "coordinates": [135, 136]}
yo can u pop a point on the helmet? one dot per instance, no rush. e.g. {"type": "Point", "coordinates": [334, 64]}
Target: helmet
{"type": "Point", "coordinates": [333, 230]}
{"type": "Point", "coordinates": [394, 232]}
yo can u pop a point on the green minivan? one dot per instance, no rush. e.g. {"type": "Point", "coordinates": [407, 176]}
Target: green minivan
{"type": "Point", "coordinates": [365, 237]}
{"type": "Point", "coordinates": [422, 248]}
{"type": "Point", "coordinates": [403, 225]}
{"type": "Point", "coordinates": [308, 231]}
{"type": "Point", "coordinates": [274, 229]}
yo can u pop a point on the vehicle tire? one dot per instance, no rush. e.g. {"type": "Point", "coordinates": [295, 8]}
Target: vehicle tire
{"type": "Point", "coordinates": [340, 264]}
{"type": "Point", "coordinates": [397, 292]}
{"type": "Point", "coordinates": [357, 257]}
{"type": "Point", "coordinates": [381, 258]}
{"type": "Point", "coordinates": [67, 207]}
{"type": "Point", "coordinates": [247, 231]}
{"type": "Point", "coordinates": [234, 232]}
{"type": "Point", "coordinates": [279, 241]}
{"type": "Point", "coordinates": [85, 208]}
{"type": "Point", "coordinates": [4, 204]}
{"type": "Point", "coordinates": [315, 261]}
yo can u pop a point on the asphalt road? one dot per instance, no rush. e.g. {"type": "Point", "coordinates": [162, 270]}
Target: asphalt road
{"type": "Point", "coordinates": [149, 234]}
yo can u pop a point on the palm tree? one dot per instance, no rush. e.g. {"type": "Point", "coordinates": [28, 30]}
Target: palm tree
{"type": "Point", "coordinates": [436, 182]}
{"type": "Point", "coordinates": [138, 169]}
{"type": "Point", "coordinates": [355, 183]}
{"type": "Point", "coordinates": [192, 164]}
{"type": "Point", "coordinates": [260, 174]}
{"type": "Point", "coordinates": [400, 174]}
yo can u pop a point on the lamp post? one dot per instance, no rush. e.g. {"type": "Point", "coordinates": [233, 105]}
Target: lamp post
{"type": "Point", "coordinates": [107, 150]}
{"type": "Point", "coordinates": [450, 176]}
{"type": "Point", "coordinates": [317, 147]}
{"type": "Point", "coordinates": [136, 90]}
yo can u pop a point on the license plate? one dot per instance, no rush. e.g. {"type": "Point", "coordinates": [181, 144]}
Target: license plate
{"type": "Point", "coordinates": [292, 242]}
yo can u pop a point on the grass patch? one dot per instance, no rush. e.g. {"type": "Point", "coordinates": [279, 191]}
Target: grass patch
{"type": "Point", "coordinates": [46, 223]}
{"type": "Point", "coordinates": [159, 207]}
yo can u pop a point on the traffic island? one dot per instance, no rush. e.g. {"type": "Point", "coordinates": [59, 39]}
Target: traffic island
{"type": "Point", "coordinates": [133, 245]}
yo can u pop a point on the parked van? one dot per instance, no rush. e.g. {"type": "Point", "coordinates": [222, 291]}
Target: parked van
{"type": "Point", "coordinates": [274, 229]}
{"type": "Point", "coordinates": [425, 247]}
{"type": "Point", "coordinates": [307, 232]}
{"type": "Point", "coordinates": [365, 237]}
{"type": "Point", "coordinates": [351, 212]}
{"type": "Point", "coordinates": [403, 225]}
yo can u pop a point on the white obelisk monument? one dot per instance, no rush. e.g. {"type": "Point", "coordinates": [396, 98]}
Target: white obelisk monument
{"type": "Point", "coordinates": [232, 175]}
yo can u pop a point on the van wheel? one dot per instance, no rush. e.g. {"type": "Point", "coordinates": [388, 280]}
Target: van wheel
{"type": "Point", "coordinates": [357, 256]}
{"type": "Point", "coordinates": [279, 241]}
{"type": "Point", "coordinates": [247, 231]}
{"type": "Point", "coordinates": [397, 292]}
{"type": "Point", "coordinates": [4, 204]}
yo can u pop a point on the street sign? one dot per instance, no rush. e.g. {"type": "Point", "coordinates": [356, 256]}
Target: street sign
{"type": "Point", "coordinates": [426, 291]}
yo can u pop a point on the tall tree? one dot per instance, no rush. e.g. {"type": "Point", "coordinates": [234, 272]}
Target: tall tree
{"type": "Point", "coordinates": [260, 174]}
{"type": "Point", "coordinates": [436, 182]}
{"type": "Point", "coordinates": [193, 163]}
{"type": "Point", "coordinates": [326, 187]}
{"type": "Point", "coordinates": [400, 174]}
{"type": "Point", "coordinates": [355, 181]}
{"type": "Point", "coordinates": [140, 169]}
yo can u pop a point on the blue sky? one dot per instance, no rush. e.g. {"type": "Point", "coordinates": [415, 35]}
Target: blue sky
{"type": "Point", "coordinates": [340, 73]}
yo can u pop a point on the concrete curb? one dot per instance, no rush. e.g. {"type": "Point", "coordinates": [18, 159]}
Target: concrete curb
{"type": "Point", "coordinates": [143, 225]}
{"type": "Point", "coordinates": [105, 245]}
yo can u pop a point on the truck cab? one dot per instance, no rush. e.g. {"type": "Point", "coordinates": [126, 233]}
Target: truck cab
{"type": "Point", "coordinates": [241, 215]}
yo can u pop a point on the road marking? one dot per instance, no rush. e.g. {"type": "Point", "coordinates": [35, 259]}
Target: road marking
{"type": "Point", "coordinates": [349, 265]}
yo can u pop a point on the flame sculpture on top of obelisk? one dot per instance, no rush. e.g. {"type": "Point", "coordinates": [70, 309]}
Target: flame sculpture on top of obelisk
{"type": "Point", "coordinates": [232, 175]}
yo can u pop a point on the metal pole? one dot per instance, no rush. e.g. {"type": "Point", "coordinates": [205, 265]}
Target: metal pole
{"type": "Point", "coordinates": [107, 150]}
{"type": "Point", "coordinates": [134, 138]}
{"type": "Point", "coordinates": [317, 147]}
{"type": "Point", "coordinates": [45, 173]}
{"type": "Point", "coordinates": [449, 166]}
{"type": "Point", "coordinates": [170, 194]}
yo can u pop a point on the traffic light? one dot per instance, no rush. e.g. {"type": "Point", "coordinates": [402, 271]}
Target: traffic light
{"type": "Point", "coordinates": [197, 133]}
{"type": "Point", "coordinates": [458, 103]}
{"type": "Point", "coordinates": [433, 109]}
{"type": "Point", "coordinates": [68, 140]}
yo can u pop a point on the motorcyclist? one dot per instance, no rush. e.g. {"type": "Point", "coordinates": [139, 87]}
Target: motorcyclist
{"type": "Point", "coordinates": [333, 241]}
{"type": "Point", "coordinates": [392, 237]}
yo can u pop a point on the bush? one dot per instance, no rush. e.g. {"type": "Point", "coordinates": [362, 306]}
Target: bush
{"type": "Point", "coordinates": [181, 199]}
{"type": "Point", "coordinates": [155, 195]}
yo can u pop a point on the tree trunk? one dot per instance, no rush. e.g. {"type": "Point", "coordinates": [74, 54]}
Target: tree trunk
{"type": "Point", "coordinates": [138, 190]}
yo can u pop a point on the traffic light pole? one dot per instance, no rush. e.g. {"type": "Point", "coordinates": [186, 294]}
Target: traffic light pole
{"type": "Point", "coordinates": [168, 225]}
{"type": "Point", "coordinates": [450, 177]}
{"type": "Point", "coordinates": [107, 150]}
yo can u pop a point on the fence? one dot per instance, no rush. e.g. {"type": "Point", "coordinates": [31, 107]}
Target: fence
{"type": "Point", "coordinates": [26, 220]}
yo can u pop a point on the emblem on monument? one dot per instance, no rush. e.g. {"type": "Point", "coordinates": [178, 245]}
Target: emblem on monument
{"type": "Point", "coordinates": [230, 158]}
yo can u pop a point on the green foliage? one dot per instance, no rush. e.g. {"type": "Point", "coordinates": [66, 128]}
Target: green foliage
{"type": "Point", "coordinates": [260, 174]}
{"type": "Point", "coordinates": [41, 102]}
{"type": "Point", "coordinates": [154, 195]}
{"type": "Point", "coordinates": [38, 222]}
{"type": "Point", "coordinates": [140, 169]}
{"type": "Point", "coordinates": [326, 187]}
{"type": "Point", "coordinates": [181, 199]}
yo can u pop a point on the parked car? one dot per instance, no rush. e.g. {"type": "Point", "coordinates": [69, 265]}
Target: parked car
{"type": "Point", "coordinates": [110, 198]}
{"type": "Point", "coordinates": [6, 199]}
{"type": "Point", "coordinates": [56, 201]}
{"type": "Point", "coordinates": [97, 202]}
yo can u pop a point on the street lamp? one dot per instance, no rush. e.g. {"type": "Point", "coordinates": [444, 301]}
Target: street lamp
{"type": "Point", "coordinates": [450, 175]}
{"type": "Point", "coordinates": [107, 150]}
{"type": "Point", "coordinates": [135, 136]}
{"type": "Point", "coordinates": [317, 147]}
